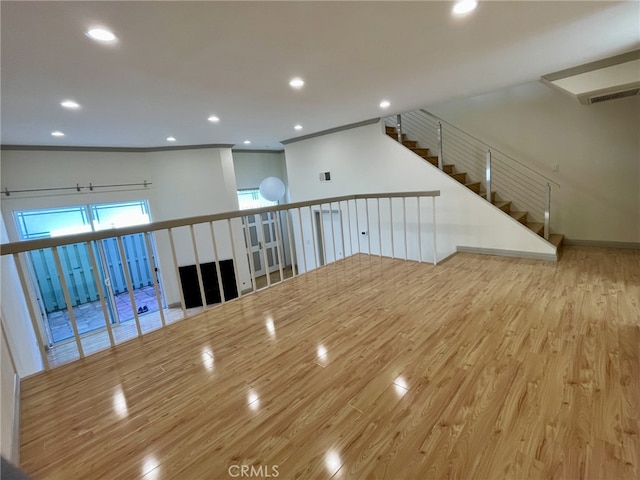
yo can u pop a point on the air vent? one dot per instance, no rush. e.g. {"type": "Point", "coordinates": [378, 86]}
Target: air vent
{"type": "Point", "coordinates": [613, 96]}
{"type": "Point", "coordinates": [601, 81]}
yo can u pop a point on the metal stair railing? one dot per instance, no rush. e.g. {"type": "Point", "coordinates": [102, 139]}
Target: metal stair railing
{"type": "Point", "coordinates": [497, 172]}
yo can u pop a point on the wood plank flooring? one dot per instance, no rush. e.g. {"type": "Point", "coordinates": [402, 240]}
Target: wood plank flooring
{"type": "Point", "coordinates": [478, 368]}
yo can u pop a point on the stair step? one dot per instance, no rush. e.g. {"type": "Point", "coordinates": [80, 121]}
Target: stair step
{"type": "Point", "coordinates": [394, 135]}
{"type": "Point", "coordinates": [432, 160]}
{"type": "Point", "coordinates": [389, 129]}
{"type": "Point", "coordinates": [504, 206]}
{"type": "Point", "coordinates": [410, 143]}
{"type": "Point", "coordinates": [556, 239]}
{"type": "Point", "coordinates": [520, 216]}
{"type": "Point", "coordinates": [475, 186]}
{"type": "Point", "coordinates": [461, 177]}
{"type": "Point", "coordinates": [448, 168]}
{"type": "Point", "coordinates": [423, 152]}
{"type": "Point", "coordinates": [536, 227]}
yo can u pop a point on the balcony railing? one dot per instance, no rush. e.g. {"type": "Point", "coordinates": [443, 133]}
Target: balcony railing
{"type": "Point", "coordinates": [280, 241]}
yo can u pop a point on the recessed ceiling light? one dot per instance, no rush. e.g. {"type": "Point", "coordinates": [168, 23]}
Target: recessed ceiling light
{"type": "Point", "coordinates": [171, 139]}
{"type": "Point", "coordinates": [57, 133]}
{"type": "Point", "coordinates": [213, 119]}
{"type": "Point", "coordinates": [247, 142]}
{"type": "Point", "coordinates": [298, 127]}
{"type": "Point", "coordinates": [296, 82]}
{"type": "Point", "coordinates": [101, 34]}
{"type": "Point", "coordinates": [70, 104]}
{"type": "Point", "coordinates": [464, 6]}
{"type": "Point", "coordinates": [385, 104]}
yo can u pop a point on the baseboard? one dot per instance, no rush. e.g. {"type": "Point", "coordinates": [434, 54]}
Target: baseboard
{"type": "Point", "coordinates": [15, 447]}
{"type": "Point", "coordinates": [550, 257]}
{"type": "Point", "coordinates": [601, 244]}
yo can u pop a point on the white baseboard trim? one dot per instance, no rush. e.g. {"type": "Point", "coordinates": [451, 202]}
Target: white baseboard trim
{"type": "Point", "coordinates": [550, 257]}
{"type": "Point", "coordinates": [601, 244]}
{"type": "Point", "coordinates": [15, 447]}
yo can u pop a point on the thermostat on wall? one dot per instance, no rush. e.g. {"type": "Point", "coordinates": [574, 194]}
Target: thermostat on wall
{"type": "Point", "coordinates": [325, 176]}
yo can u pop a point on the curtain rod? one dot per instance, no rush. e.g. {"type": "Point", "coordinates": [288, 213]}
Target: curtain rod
{"type": "Point", "coordinates": [77, 187]}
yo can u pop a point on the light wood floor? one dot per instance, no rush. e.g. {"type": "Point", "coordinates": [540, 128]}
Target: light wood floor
{"type": "Point", "coordinates": [478, 368]}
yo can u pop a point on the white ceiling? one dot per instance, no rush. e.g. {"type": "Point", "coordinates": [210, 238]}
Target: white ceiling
{"type": "Point", "coordinates": [176, 63]}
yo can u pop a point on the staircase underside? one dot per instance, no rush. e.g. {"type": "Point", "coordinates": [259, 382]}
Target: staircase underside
{"type": "Point", "coordinates": [462, 177]}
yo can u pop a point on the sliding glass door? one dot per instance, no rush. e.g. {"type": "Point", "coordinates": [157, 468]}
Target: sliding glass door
{"type": "Point", "coordinates": [77, 267]}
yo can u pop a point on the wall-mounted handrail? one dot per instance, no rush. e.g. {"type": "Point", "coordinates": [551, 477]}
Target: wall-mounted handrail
{"type": "Point", "coordinates": [492, 148]}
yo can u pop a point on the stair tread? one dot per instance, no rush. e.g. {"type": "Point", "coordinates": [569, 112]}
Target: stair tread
{"type": "Point", "coordinates": [520, 216]}
{"type": "Point", "coordinates": [556, 239]}
{"type": "Point", "coordinates": [536, 227]}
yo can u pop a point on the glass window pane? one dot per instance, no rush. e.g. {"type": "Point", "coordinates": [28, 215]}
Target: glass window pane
{"type": "Point", "coordinates": [251, 198]}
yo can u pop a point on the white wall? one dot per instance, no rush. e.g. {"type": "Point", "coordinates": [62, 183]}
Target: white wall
{"type": "Point", "coordinates": [184, 183]}
{"type": "Point", "coordinates": [8, 406]}
{"type": "Point", "coordinates": [364, 160]}
{"type": "Point", "coordinates": [253, 167]}
{"type": "Point", "coordinates": [597, 148]}
{"type": "Point", "coordinates": [15, 316]}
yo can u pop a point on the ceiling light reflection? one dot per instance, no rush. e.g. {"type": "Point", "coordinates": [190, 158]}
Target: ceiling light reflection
{"type": "Point", "coordinates": [332, 461]}
{"type": "Point", "coordinates": [323, 357]}
{"type": "Point", "coordinates": [400, 385]}
{"type": "Point", "coordinates": [271, 328]}
{"type": "Point", "coordinates": [150, 470]}
{"type": "Point", "coordinates": [207, 359]}
{"type": "Point", "coordinates": [253, 400]}
{"type": "Point", "coordinates": [120, 403]}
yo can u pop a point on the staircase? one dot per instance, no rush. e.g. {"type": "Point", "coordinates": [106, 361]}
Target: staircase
{"type": "Point", "coordinates": [462, 177]}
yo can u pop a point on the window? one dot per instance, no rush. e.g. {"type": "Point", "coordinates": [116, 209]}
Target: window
{"type": "Point", "coordinates": [251, 198]}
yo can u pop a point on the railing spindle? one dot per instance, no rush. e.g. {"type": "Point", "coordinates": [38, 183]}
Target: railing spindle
{"type": "Point", "coordinates": [264, 250]}
{"type": "Point", "coordinates": [276, 227]}
{"type": "Point", "coordinates": [101, 296]}
{"type": "Point", "coordinates": [127, 277]}
{"type": "Point", "coordinates": [154, 272]}
{"type": "Point", "coordinates": [333, 235]}
{"type": "Point", "coordinates": [174, 257]}
{"type": "Point", "coordinates": [379, 229]}
{"type": "Point", "coordinates": [366, 206]}
{"type": "Point", "coordinates": [404, 224]}
{"type": "Point", "coordinates": [67, 299]}
{"type": "Point", "coordinates": [393, 250]}
{"type": "Point", "coordinates": [292, 247]}
{"type": "Point", "coordinates": [304, 252]}
{"type": "Point", "coordinates": [322, 237]}
{"type": "Point", "coordinates": [203, 297]}
{"type": "Point", "coordinates": [236, 265]}
{"type": "Point", "coordinates": [247, 239]}
{"type": "Point", "coordinates": [547, 211]}
{"type": "Point", "coordinates": [440, 148]}
{"type": "Point", "coordinates": [216, 260]}
{"type": "Point", "coordinates": [419, 232]}
{"type": "Point", "coordinates": [488, 176]}
{"type": "Point", "coordinates": [316, 253]}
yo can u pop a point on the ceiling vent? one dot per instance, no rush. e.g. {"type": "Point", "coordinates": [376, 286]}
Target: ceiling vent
{"type": "Point", "coordinates": [601, 81]}
{"type": "Point", "coordinates": [613, 96]}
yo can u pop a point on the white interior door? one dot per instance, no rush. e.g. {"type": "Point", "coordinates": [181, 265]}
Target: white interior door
{"type": "Point", "coordinates": [263, 243]}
